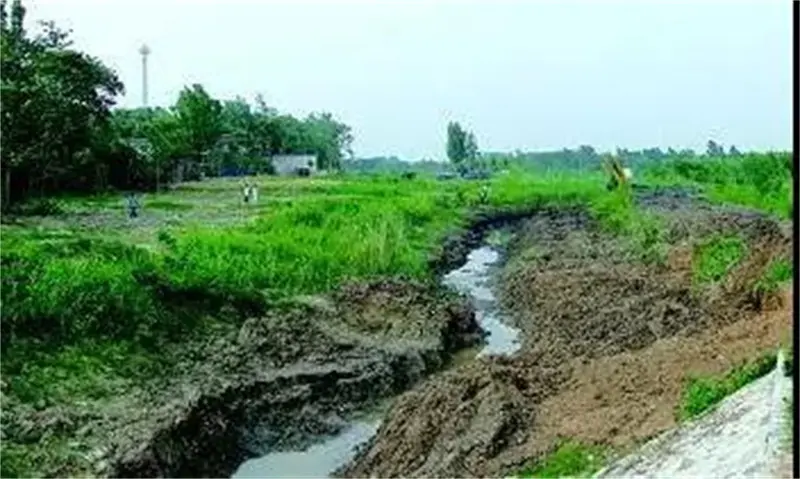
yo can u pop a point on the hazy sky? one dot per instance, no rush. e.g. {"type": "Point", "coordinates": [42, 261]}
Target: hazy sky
{"type": "Point", "coordinates": [522, 74]}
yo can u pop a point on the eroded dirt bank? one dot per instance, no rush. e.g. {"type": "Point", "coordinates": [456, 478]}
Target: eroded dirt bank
{"type": "Point", "coordinates": [608, 342]}
{"type": "Point", "coordinates": [277, 381]}
{"type": "Point", "coordinates": [294, 374]}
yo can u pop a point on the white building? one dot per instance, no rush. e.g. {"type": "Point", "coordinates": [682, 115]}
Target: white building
{"type": "Point", "coordinates": [288, 165]}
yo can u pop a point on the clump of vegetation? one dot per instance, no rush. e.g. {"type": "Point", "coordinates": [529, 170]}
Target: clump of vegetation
{"type": "Point", "coordinates": [570, 459]}
{"type": "Point", "coordinates": [778, 273]}
{"type": "Point", "coordinates": [703, 393]}
{"type": "Point", "coordinates": [715, 257]}
{"type": "Point", "coordinates": [617, 214]}
{"type": "Point", "coordinates": [757, 180]}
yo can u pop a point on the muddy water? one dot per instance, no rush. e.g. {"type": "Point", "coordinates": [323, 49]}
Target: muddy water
{"type": "Point", "coordinates": [319, 460]}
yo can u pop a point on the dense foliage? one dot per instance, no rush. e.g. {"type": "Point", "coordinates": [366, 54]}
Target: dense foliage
{"type": "Point", "coordinates": [462, 147]}
{"type": "Point", "coordinates": [59, 131]}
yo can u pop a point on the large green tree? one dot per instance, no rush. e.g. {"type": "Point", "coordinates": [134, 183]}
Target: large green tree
{"type": "Point", "coordinates": [59, 131]}
{"type": "Point", "coordinates": [462, 147]}
{"type": "Point", "coordinates": [53, 101]}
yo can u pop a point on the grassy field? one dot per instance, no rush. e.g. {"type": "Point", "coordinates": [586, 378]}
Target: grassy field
{"type": "Point", "coordinates": [92, 300]}
{"type": "Point", "coordinates": [90, 275]}
{"type": "Point", "coordinates": [86, 290]}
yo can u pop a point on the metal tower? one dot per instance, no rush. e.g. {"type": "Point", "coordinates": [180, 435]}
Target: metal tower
{"type": "Point", "coordinates": [144, 50]}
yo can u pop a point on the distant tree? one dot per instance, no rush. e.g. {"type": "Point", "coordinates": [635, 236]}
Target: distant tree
{"type": "Point", "coordinates": [59, 132]}
{"type": "Point", "coordinates": [462, 147]}
{"type": "Point", "coordinates": [54, 100]}
{"type": "Point", "coordinates": [471, 150]}
{"type": "Point", "coordinates": [456, 144]}
{"type": "Point", "coordinates": [733, 151]}
{"type": "Point", "coordinates": [200, 118]}
{"type": "Point", "coordinates": [329, 139]}
{"type": "Point", "coordinates": [714, 149]}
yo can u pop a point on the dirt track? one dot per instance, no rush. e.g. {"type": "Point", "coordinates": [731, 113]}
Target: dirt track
{"type": "Point", "coordinates": [608, 342]}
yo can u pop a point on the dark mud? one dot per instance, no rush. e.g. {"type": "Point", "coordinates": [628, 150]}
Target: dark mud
{"type": "Point", "coordinates": [591, 314]}
{"type": "Point", "coordinates": [281, 381]}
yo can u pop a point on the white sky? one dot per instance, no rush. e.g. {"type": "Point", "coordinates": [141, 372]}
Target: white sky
{"type": "Point", "coordinates": [522, 74]}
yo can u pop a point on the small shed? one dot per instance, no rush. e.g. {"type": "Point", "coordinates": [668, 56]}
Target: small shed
{"type": "Point", "coordinates": [290, 165]}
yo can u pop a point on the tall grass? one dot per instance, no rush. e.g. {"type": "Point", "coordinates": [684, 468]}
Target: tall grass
{"type": "Point", "coordinates": [758, 180]}
{"type": "Point", "coordinates": [315, 234]}
{"type": "Point", "coordinates": [58, 290]}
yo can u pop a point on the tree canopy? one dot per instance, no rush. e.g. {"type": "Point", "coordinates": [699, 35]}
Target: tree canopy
{"type": "Point", "coordinates": [61, 132]}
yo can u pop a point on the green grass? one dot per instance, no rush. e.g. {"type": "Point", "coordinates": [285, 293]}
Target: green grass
{"type": "Point", "coordinates": [760, 181]}
{"type": "Point", "coordinates": [570, 459]}
{"type": "Point", "coordinates": [713, 258]}
{"type": "Point", "coordinates": [778, 274]}
{"type": "Point", "coordinates": [701, 394]}
{"type": "Point", "coordinates": [618, 215]}
{"type": "Point", "coordinates": [65, 286]}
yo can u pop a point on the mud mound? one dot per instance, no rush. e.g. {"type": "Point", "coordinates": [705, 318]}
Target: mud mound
{"type": "Point", "coordinates": [591, 319]}
{"type": "Point", "coordinates": [405, 310]}
{"type": "Point", "coordinates": [286, 378]}
{"type": "Point", "coordinates": [459, 424]}
{"type": "Point", "coordinates": [627, 398]}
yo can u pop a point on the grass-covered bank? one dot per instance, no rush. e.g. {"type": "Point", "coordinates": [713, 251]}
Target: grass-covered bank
{"type": "Point", "coordinates": [762, 181]}
{"type": "Point", "coordinates": [68, 283]}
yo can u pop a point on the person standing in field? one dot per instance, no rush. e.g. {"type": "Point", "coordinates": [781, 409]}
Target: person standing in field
{"type": "Point", "coordinates": [132, 202]}
{"type": "Point", "coordinates": [254, 193]}
{"type": "Point", "coordinates": [246, 192]}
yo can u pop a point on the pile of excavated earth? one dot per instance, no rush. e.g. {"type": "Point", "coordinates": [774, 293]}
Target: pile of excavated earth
{"type": "Point", "coordinates": [608, 343]}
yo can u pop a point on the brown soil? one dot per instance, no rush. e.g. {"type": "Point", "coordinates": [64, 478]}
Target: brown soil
{"type": "Point", "coordinates": [608, 343]}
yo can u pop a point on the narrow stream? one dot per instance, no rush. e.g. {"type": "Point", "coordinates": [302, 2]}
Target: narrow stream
{"type": "Point", "coordinates": [473, 279]}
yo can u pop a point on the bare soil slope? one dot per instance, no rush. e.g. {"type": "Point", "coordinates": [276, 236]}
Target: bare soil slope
{"type": "Point", "coordinates": [608, 342]}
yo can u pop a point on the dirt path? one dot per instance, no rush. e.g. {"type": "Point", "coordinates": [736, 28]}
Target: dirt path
{"type": "Point", "coordinates": [741, 438]}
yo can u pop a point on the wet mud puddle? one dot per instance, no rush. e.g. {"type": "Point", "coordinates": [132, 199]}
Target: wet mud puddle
{"type": "Point", "coordinates": [321, 459]}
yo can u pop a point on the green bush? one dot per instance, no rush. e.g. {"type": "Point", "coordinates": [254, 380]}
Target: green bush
{"type": "Point", "coordinates": [703, 393]}
{"type": "Point", "coordinates": [570, 459]}
{"type": "Point", "coordinates": [715, 257]}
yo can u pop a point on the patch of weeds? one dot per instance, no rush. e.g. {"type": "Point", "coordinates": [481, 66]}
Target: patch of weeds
{"type": "Point", "coordinates": [570, 459]}
{"type": "Point", "coordinates": [499, 238]}
{"type": "Point", "coordinates": [715, 257]}
{"type": "Point", "coordinates": [703, 393]}
{"type": "Point", "coordinates": [38, 207]}
{"type": "Point", "coordinates": [778, 273]}
{"type": "Point", "coordinates": [53, 456]}
{"type": "Point", "coordinates": [618, 215]}
{"type": "Point", "coordinates": [649, 237]}
{"type": "Point", "coordinates": [88, 370]}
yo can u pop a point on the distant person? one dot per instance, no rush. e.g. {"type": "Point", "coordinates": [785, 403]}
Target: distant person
{"type": "Point", "coordinates": [132, 203]}
{"type": "Point", "coordinates": [246, 192]}
{"type": "Point", "coordinates": [254, 193]}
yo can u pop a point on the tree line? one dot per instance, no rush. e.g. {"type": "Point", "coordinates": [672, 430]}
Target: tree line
{"type": "Point", "coordinates": [61, 132]}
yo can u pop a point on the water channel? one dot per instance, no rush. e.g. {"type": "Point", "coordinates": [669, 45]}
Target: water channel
{"type": "Point", "coordinates": [320, 460]}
